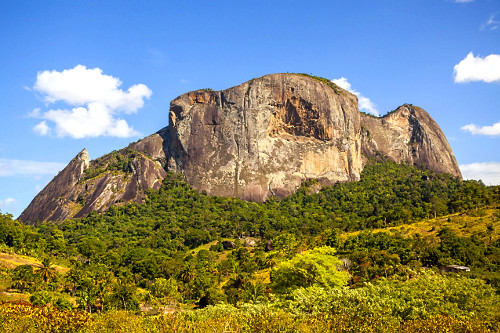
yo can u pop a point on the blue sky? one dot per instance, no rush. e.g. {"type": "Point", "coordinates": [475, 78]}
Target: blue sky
{"type": "Point", "coordinates": [101, 74]}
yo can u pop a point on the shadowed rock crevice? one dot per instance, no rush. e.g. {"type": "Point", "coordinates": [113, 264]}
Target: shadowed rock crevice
{"type": "Point", "coordinates": [297, 117]}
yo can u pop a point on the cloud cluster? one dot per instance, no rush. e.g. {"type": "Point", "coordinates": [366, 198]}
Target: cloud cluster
{"type": "Point", "coordinates": [96, 102]}
{"type": "Point", "coordinates": [488, 172]}
{"type": "Point", "coordinates": [365, 104]}
{"type": "Point", "coordinates": [474, 68]}
{"type": "Point", "coordinates": [493, 130]}
{"type": "Point", "coordinates": [10, 167]}
{"type": "Point", "coordinates": [7, 204]}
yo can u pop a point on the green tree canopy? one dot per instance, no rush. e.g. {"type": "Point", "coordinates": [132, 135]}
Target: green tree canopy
{"type": "Point", "coordinates": [317, 267]}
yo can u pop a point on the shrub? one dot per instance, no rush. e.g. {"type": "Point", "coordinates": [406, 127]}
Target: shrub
{"type": "Point", "coordinates": [318, 267]}
{"type": "Point", "coordinates": [41, 298]}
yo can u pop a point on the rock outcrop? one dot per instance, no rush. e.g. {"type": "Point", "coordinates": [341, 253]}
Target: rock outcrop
{"type": "Point", "coordinates": [265, 137]}
{"type": "Point", "coordinates": [84, 186]}
{"type": "Point", "coordinates": [408, 135]}
{"type": "Point", "coordinates": [259, 139]}
{"type": "Point", "coordinates": [47, 205]}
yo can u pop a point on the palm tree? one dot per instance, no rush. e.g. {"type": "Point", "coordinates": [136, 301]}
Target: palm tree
{"type": "Point", "coordinates": [23, 277]}
{"type": "Point", "coordinates": [188, 273]}
{"type": "Point", "coordinates": [214, 270]}
{"type": "Point", "coordinates": [253, 291]}
{"type": "Point", "coordinates": [45, 271]}
{"type": "Point", "coordinates": [73, 279]}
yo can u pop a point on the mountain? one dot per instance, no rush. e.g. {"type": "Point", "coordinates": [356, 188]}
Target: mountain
{"type": "Point", "coordinates": [408, 134]}
{"type": "Point", "coordinates": [115, 178]}
{"type": "Point", "coordinates": [259, 139]}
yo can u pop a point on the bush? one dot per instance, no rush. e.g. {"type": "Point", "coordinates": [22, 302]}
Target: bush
{"type": "Point", "coordinates": [421, 298]}
{"type": "Point", "coordinates": [62, 303]}
{"type": "Point", "coordinates": [318, 267]}
{"type": "Point", "coordinates": [41, 298]}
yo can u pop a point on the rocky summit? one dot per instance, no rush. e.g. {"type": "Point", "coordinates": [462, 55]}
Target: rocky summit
{"type": "Point", "coordinates": [259, 139]}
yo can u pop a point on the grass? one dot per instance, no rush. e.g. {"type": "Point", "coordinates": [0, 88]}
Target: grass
{"type": "Point", "coordinates": [12, 260]}
{"type": "Point", "coordinates": [207, 246]}
{"type": "Point", "coordinates": [222, 255]}
{"type": "Point", "coordinates": [464, 225]}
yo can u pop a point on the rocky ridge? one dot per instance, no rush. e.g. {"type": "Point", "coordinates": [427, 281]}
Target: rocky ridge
{"type": "Point", "coordinates": [408, 135]}
{"type": "Point", "coordinates": [259, 139]}
{"type": "Point", "coordinates": [115, 178]}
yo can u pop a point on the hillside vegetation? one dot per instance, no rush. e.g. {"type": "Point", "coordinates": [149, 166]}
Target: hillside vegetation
{"type": "Point", "coordinates": [368, 252]}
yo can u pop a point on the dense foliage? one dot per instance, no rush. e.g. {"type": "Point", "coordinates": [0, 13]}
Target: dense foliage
{"type": "Point", "coordinates": [316, 268]}
{"type": "Point", "coordinates": [24, 317]}
{"type": "Point", "coordinates": [168, 252]}
{"type": "Point", "coordinates": [116, 161]}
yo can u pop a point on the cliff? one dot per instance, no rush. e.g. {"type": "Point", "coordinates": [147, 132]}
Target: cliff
{"type": "Point", "coordinates": [115, 178]}
{"type": "Point", "coordinates": [265, 137]}
{"type": "Point", "coordinates": [47, 204]}
{"type": "Point", "coordinates": [408, 135]}
{"type": "Point", "coordinates": [259, 139]}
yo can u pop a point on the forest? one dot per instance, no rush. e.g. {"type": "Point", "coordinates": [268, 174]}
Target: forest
{"type": "Point", "coordinates": [360, 256]}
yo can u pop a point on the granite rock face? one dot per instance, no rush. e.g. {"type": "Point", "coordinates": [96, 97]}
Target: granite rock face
{"type": "Point", "coordinates": [259, 139]}
{"type": "Point", "coordinates": [47, 205]}
{"type": "Point", "coordinates": [408, 135]}
{"type": "Point", "coordinates": [265, 137]}
{"type": "Point", "coordinates": [85, 186]}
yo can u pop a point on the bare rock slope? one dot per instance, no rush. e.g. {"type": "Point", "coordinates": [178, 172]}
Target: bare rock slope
{"type": "Point", "coordinates": [408, 135]}
{"type": "Point", "coordinates": [261, 138]}
{"type": "Point", "coordinates": [115, 178]}
{"type": "Point", "coordinates": [265, 137]}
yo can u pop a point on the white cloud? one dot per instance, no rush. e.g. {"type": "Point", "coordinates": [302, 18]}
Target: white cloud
{"type": "Point", "coordinates": [93, 121]}
{"type": "Point", "coordinates": [28, 168]}
{"type": "Point", "coordinates": [79, 86]}
{"type": "Point", "coordinates": [365, 104]}
{"type": "Point", "coordinates": [493, 130]}
{"type": "Point", "coordinates": [488, 172]}
{"type": "Point", "coordinates": [478, 69]}
{"type": "Point", "coordinates": [42, 128]}
{"type": "Point", "coordinates": [8, 203]}
{"type": "Point", "coordinates": [463, 1]}
{"type": "Point", "coordinates": [491, 23]}
{"type": "Point", "coordinates": [96, 101]}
